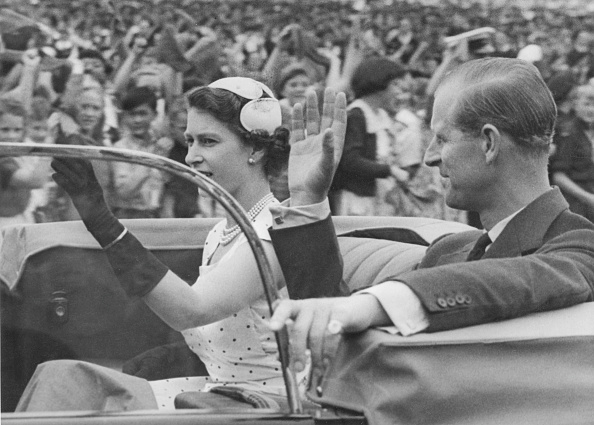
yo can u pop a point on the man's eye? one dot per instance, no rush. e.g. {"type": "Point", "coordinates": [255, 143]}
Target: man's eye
{"type": "Point", "coordinates": [208, 142]}
{"type": "Point", "coordinates": [189, 142]}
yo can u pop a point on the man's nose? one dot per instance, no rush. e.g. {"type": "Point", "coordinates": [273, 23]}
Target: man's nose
{"type": "Point", "coordinates": [432, 155]}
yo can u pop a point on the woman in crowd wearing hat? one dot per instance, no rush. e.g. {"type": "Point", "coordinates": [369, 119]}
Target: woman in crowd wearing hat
{"type": "Point", "coordinates": [234, 137]}
{"type": "Point", "coordinates": [371, 164]}
{"type": "Point", "coordinates": [572, 165]}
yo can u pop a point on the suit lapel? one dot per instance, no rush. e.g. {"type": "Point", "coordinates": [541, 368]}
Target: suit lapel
{"type": "Point", "coordinates": [459, 255]}
{"type": "Point", "coordinates": [524, 233]}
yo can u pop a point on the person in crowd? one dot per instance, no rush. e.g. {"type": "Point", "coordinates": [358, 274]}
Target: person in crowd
{"type": "Point", "coordinates": [572, 165]}
{"type": "Point", "coordinates": [580, 58]}
{"type": "Point", "coordinates": [372, 162]}
{"type": "Point", "coordinates": [293, 83]}
{"type": "Point", "coordinates": [19, 175]}
{"type": "Point", "coordinates": [402, 42]}
{"type": "Point", "coordinates": [561, 86]}
{"type": "Point", "coordinates": [97, 68]}
{"type": "Point", "coordinates": [180, 196]}
{"type": "Point", "coordinates": [493, 121]}
{"type": "Point", "coordinates": [138, 190]}
{"type": "Point", "coordinates": [37, 130]}
{"type": "Point", "coordinates": [233, 136]}
{"type": "Point", "coordinates": [78, 121]}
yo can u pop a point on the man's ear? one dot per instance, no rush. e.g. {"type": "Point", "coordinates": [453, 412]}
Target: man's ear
{"type": "Point", "coordinates": [491, 142]}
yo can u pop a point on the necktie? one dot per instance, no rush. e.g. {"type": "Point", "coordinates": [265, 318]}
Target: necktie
{"type": "Point", "coordinates": [479, 248]}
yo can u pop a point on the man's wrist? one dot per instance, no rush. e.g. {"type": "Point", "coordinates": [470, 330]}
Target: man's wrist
{"type": "Point", "coordinates": [401, 305]}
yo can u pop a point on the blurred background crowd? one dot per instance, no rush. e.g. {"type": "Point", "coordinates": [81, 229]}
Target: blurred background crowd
{"type": "Point", "coordinates": [113, 73]}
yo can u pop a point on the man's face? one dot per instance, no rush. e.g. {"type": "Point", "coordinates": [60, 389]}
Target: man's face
{"type": "Point", "coordinates": [90, 110]}
{"type": "Point", "coordinates": [458, 155]}
{"type": "Point", "coordinates": [96, 68]}
{"type": "Point", "coordinates": [12, 128]}
{"type": "Point", "coordinates": [139, 120]}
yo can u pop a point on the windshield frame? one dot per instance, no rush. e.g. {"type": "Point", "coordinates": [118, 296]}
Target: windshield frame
{"type": "Point", "coordinates": [227, 201]}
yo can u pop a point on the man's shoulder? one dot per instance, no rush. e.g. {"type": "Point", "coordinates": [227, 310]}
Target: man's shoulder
{"type": "Point", "coordinates": [566, 222]}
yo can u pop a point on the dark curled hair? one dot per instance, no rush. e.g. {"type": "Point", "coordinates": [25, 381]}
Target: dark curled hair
{"type": "Point", "coordinates": [374, 75]}
{"type": "Point", "coordinates": [509, 94]}
{"type": "Point", "coordinates": [138, 96]}
{"type": "Point", "coordinates": [226, 106]}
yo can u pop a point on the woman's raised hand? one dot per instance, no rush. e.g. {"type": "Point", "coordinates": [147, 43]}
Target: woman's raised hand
{"type": "Point", "coordinates": [316, 147]}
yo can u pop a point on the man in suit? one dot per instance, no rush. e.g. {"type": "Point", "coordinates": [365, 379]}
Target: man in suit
{"type": "Point", "coordinates": [493, 121]}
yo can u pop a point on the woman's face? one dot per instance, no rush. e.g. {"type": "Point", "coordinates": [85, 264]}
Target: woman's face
{"type": "Point", "coordinates": [396, 95]}
{"type": "Point", "coordinates": [295, 88]}
{"type": "Point", "coordinates": [90, 110]}
{"type": "Point", "coordinates": [583, 105]}
{"type": "Point", "coordinates": [216, 151]}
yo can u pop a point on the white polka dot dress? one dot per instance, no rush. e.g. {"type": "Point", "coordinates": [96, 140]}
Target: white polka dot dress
{"type": "Point", "coordinates": [238, 350]}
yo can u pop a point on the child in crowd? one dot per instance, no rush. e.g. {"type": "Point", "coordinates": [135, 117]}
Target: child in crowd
{"type": "Point", "coordinates": [18, 175]}
{"type": "Point", "coordinates": [181, 195]}
{"type": "Point", "coordinates": [138, 190]}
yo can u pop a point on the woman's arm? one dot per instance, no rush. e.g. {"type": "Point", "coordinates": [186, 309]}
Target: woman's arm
{"type": "Point", "coordinates": [222, 292]}
{"type": "Point", "coordinates": [74, 86]}
{"type": "Point", "coordinates": [122, 77]}
{"type": "Point", "coordinates": [567, 185]}
{"type": "Point", "coordinates": [23, 93]}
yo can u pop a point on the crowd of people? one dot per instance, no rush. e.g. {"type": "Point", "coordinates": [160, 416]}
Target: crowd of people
{"type": "Point", "coordinates": [113, 74]}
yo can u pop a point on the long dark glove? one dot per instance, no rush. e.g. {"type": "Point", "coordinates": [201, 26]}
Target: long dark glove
{"type": "Point", "coordinates": [137, 269]}
{"type": "Point", "coordinates": [77, 178]}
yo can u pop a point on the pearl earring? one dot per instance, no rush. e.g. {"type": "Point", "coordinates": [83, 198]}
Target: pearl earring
{"type": "Point", "coordinates": [251, 161]}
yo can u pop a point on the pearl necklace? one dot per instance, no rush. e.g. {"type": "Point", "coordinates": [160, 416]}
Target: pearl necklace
{"type": "Point", "coordinates": [230, 233]}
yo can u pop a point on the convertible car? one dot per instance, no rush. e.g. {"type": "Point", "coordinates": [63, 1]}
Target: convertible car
{"type": "Point", "coordinates": [60, 300]}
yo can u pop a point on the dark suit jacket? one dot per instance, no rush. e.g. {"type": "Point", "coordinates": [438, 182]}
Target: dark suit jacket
{"type": "Point", "coordinates": [358, 167]}
{"type": "Point", "coordinates": [543, 260]}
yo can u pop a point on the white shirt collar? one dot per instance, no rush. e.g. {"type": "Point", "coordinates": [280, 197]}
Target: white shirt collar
{"type": "Point", "coordinates": [375, 121]}
{"type": "Point", "coordinates": [498, 228]}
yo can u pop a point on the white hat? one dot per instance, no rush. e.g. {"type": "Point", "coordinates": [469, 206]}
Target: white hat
{"type": "Point", "coordinates": [531, 53]}
{"type": "Point", "coordinates": [260, 113]}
